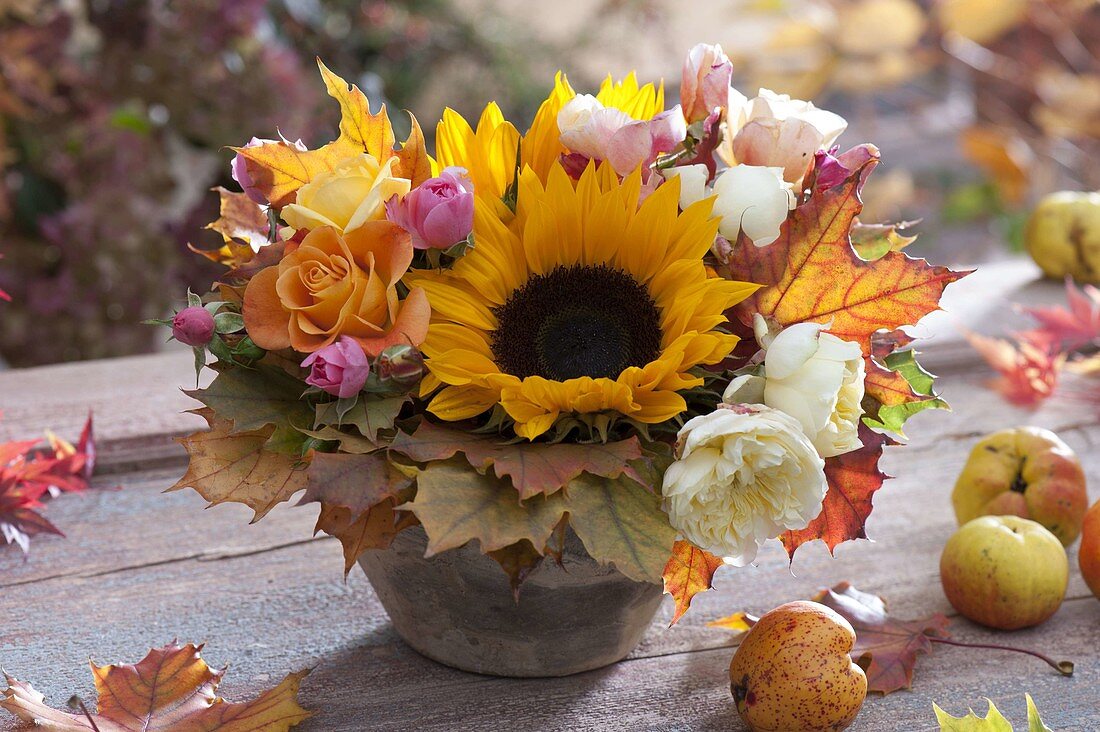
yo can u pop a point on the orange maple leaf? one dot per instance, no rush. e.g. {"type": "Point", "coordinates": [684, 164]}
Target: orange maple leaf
{"type": "Point", "coordinates": [812, 273]}
{"type": "Point", "coordinates": [853, 479]}
{"type": "Point", "coordinates": [279, 169]}
{"type": "Point", "coordinates": [172, 690]}
{"type": "Point", "coordinates": [690, 570]}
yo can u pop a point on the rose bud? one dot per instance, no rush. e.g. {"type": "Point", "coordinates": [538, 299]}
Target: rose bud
{"type": "Point", "coordinates": [193, 326]}
{"type": "Point", "coordinates": [401, 364]}
{"type": "Point", "coordinates": [705, 82]}
{"type": "Point", "coordinates": [438, 213]}
{"type": "Point", "coordinates": [340, 368]}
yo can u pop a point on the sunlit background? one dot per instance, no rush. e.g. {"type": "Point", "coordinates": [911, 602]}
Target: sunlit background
{"type": "Point", "coordinates": [115, 114]}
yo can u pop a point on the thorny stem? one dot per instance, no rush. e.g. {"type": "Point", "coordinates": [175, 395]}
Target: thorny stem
{"type": "Point", "coordinates": [1063, 667]}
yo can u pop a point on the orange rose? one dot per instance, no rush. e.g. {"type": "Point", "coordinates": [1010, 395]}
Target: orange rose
{"type": "Point", "coordinates": [338, 285]}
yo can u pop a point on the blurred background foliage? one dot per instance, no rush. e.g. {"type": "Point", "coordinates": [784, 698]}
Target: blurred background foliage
{"type": "Point", "coordinates": [114, 115]}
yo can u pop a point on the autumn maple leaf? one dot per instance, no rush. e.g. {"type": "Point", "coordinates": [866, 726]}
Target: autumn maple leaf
{"type": "Point", "coordinates": [30, 473]}
{"type": "Point", "coordinates": [172, 690]}
{"type": "Point", "coordinates": [1071, 327]}
{"type": "Point", "coordinates": [1028, 368]}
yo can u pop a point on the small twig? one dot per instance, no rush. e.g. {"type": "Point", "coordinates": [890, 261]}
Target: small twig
{"type": "Point", "coordinates": [75, 702]}
{"type": "Point", "coordinates": [1063, 667]}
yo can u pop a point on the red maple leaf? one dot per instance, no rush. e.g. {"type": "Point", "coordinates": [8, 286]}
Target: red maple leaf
{"type": "Point", "coordinates": [31, 472]}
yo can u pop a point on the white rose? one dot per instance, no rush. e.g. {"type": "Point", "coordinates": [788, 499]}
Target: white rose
{"type": "Point", "coordinates": [754, 200]}
{"type": "Point", "coordinates": [745, 474]}
{"type": "Point", "coordinates": [813, 376]}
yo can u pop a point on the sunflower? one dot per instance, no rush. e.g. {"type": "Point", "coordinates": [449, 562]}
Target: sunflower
{"type": "Point", "coordinates": [584, 303]}
{"type": "Point", "coordinates": [487, 153]}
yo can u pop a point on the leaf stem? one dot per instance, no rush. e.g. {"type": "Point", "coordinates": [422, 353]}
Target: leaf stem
{"type": "Point", "coordinates": [1063, 667]}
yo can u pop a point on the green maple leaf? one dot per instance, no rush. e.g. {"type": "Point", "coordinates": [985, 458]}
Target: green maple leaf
{"type": "Point", "coordinates": [255, 398]}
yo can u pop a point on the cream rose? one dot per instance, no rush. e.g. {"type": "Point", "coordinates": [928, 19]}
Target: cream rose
{"type": "Point", "coordinates": [748, 199]}
{"type": "Point", "coordinates": [354, 192]}
{"type": "Point", "coordinates": [744, 474]}
{"type": "Point", "coordinates": [813, 376]}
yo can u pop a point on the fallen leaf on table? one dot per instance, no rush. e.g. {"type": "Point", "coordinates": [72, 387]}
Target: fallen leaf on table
{"type": "Point", "coordinates": [993, 721]}
{"type": "Point", "coordinates": [170, 690]}
{"type": "Point", "coordinates": [887, 648]}
{"type": "Point", "coordinates": [1028, 371]}
{"type": "Point", "coordinates": [31, 474]}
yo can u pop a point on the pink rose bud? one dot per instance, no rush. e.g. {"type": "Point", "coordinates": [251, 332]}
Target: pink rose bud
{"type": "Point", "coordinates": [705, 83]}
{"type": "Point", "coordinates": [340, 368]}
{"type": "Point", "coordinates": [193, 326]}
{"type": "Point", "coordinates": [401, 364]}
{"type": "Point", "coordinates": [438, 213]}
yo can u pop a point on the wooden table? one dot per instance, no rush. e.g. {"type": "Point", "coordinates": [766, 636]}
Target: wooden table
{"type": "Point", "coordinates": [140, 568]}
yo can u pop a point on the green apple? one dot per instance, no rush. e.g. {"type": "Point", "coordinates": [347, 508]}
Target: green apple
{"type": "Point", "coordinates": [1005, 572]}
{"type": "Point", "coordinates": [1027, 472]}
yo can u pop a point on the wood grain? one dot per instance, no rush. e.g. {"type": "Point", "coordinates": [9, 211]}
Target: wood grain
{"type": "Point", "coordinates": [140, 568]}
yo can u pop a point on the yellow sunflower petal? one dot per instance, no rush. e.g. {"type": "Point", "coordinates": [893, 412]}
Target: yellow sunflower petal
{"type": "Point", "coordinates": [454, 403]}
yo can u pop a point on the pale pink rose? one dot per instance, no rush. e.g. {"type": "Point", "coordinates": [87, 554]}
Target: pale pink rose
{"type": "Point", "coordinates": [705, 83]}
{"type": "Point", "coordinates": [340, 368]}
{"type": "Point", "coordinates": [439, 212]}
{"type": "Point", "coordinates": [776, 131]}
{"type": "Point", "coordinates": [596, 132]}
{"type": "Point", "coordinates": [639, 143]}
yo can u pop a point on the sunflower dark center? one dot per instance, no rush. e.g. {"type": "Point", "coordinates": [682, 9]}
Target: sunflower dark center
{"type": "Point", "coordinates": [582, 320]}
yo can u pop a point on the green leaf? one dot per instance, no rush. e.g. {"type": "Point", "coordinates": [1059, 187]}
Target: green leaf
{"type": "Point", "coordinates": [255, 398]}
{"type": "Point", "coordinates": [228, 322]}
{"type": "Point", "coordinates": [1034, 722]}
{"type": "Point", "coordinates": [287, 440]}
{"type": "Point", "coordinates": [200, 363]}
{"type": "Point", "coordinates": [456, 504]}
{"type": "Point", "coordinates": [994, 721]}
{"type": "Point", "coordinates": [892, 416]}
{"type": "Point", "coordinates": [622, 523]}
{"type": "Point", "coordinates": [369, 415]}
{"type": "Point", "coordinates": [875, 241]}
{"type": "Point", "coordinates": [193, 300]}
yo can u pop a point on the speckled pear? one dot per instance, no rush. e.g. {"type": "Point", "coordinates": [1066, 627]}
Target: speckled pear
{"type": "Point", "coordinates": [793, 672]}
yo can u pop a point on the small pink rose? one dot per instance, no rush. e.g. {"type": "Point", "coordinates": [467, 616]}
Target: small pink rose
{"type": "Point", "coordinates": [340, 368]}
{"type": "Point", "coordinates": [193, 326]}
{"type": "Point", "coordinates": [705, 82]}
{"type": "Point", "coordinates": [438, 213]}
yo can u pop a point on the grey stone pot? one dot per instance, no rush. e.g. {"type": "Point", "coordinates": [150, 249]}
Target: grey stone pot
{"type": "Point", "coordinates": [457, 608]}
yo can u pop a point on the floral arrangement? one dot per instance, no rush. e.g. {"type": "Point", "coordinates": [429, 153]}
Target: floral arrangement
{"type": "Point", "coordinates": [664, 329]}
